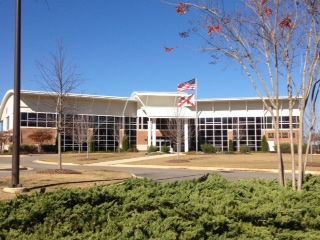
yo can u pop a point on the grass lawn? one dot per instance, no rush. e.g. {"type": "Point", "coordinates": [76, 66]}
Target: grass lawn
{"type": "Point", "coordinates": [36, 181]}
{"type": "Point", "coordinates": [81, 158]}
{"type": "Point", "coordinates": [252, 160]}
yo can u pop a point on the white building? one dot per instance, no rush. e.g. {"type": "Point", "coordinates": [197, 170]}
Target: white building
{"type": "Point", "coordinates": [148, 118]}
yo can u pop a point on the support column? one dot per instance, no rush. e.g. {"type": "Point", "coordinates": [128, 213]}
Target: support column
{"type": "Point", "coordinates": [154, 136]}
{"type": "Point", "coordinates": [186, 136]}
{"type": "Point", "coordinates": [149, 132]}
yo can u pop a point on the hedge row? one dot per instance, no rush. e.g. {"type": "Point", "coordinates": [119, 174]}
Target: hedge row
{"type": "Point", "coordinates": [211, 208]}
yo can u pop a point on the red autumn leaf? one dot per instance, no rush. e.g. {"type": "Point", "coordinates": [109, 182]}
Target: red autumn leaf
{"type": "Point", "coordinates": [214, 29]}
{"type": "Point", "coordinates": [268, 12]}
{"type": "Point", "coordinates": [182, 8]}
{"type": "Point", "coordinates": [168, 50]}
{"type": "Point", "coordinates": [286, 23]}
{"type": "Point", "coordinates": [263, 2]}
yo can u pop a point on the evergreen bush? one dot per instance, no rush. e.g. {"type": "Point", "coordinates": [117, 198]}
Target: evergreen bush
{"type": "Point", "coordinates": [125, 144]}
{"type": "Point", "coordinates": [286, 148]}
{"type": "Point", "coordinates": [208, 208]}
{"type": "Point", "coordinates": [91, 146]}
{"type": "Point", "coordinates": [165, 149]}
{"type": "Point", "coordinates": [230, 146]}
{"type": "Point", "coordinates": [208, 148]}
{"type": "Point", "coordinates": [264, 144]}
{"type": "Point", "coordinates": [245, 149]}
{"type": "Point", "coordinates": [49, 148]}
{"type": "Point", "coordinates": [152, 149]}
{"type": "Point", "coordinates": [26, 149]}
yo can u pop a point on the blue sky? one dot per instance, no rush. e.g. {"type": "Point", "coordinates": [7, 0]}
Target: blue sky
{"type": "Point", "coordinates": [117, 46]}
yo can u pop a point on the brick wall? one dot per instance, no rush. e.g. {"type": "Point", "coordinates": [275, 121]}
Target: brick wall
{"type": "Point", "coordinates": [284, 136]}
{"type": "Point", "coordinates": [25, 132]}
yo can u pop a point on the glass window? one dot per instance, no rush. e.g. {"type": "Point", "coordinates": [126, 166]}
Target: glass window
{"type": "Point", "coordinates": [209, 126]}
{"type": "Point", "coordinates": [250, 119]}
{"type": "Point", "coordinates": [285, 125]}
{"type": "Point", "coordinates": [42, 117]}
{"type": "Point", "coordinates": [24, 116]}
{"type": "Point", "coordinates": [242, 120]}
{"type": "Point", "coordinates": [235, 120]}
{"type": "Point", "coordinates": [268, 119]}
{"type": "Point", "coordinates": [209, 120]}
{"type": "Point", "coordinates": [32, 119]}
{"type": "Point", "coordinates": [102, 119]}
{"type": "Point", "coordinates": [251, 132]}
{"type": "Point", "coordinates": [217, 120]}
{"type": "Point", "coordinates": [258, 119]}
{"type": "Point", "coordinates": [224, 120]}
{"type": "Point", "coordinates": [285, 119]}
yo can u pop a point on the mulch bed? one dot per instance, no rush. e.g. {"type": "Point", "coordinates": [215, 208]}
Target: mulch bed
{"type": "Point", "coordinates": [58, 171]}
{"type": "Point", "coordinates": [178, 161]}
{"type": "Point", "coordinates": [86, 159]}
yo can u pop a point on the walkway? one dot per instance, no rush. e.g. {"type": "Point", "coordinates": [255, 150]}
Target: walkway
{"type": "Point", "coordinates": [129, 160]}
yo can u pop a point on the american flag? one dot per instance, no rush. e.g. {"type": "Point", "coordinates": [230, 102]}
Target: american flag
{"type": "Point", "coordinates": [187, 101]}
{"type": "Point", "coordinates": [189, 85]}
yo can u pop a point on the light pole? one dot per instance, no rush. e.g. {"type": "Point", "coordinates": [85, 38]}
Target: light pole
{"type": "Point", "coordinates": [15, 181]}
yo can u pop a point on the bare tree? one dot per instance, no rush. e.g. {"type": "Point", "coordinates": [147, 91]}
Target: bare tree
{"type": "Point", "coordinates": [119, 132]}
{"type": "Point", "coordinates": [82, 131]}
{"type": "Point", "coordinates": [40, 136]}
{"type": "Point", "coordinates": [176, 129]}
{"type": "Point", "coordinates": [176, 133]}
{"type": "Point", "coordinates": [4, 139]}
{"type": "Point", "coordinates": [274, 42]}
{"type": "Point", "coordinates": [60, 78]}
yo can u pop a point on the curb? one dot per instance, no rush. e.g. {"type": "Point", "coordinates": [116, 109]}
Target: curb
{"type": "Point", "coordinates": [15, 190]}
{"type": "Point", "coordinates": [135, 176]}
{"type": "Point", "coordinates": [10, 168]}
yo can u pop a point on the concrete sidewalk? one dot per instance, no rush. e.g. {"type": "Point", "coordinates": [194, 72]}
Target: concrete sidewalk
{"type": "Point", "coordinates": [129, 160]}
{"type": "Point", "coordinates": [109, 163]}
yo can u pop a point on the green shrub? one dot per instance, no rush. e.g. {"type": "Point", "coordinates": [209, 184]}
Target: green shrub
{"type": "Point", "coordinates": [152, 149]}
{"type": "Point", "coordinates": [165, 149]}
{"type": "Point", "coordinates": [26, 149]}
{"type": "Point", "coordinates": [49, 148]}
{"type": "Point", "coordinates": [91, 146]}
{"type": "Point", "coordinates": [231, 146]}
{"type": "Point", "coordinates": [286, 148]}
{"type": "Point", "coordinates": [125, 144]}
{"type": "Point", "coordinates": [245, 149]}
{"type": "Point", "coordinates": [264, 144]}
{"type": "Point", "coordinates": [208, 148]}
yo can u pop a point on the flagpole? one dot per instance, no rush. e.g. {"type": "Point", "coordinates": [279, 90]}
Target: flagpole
{"type": "Point", "coordinates": [196, 120]}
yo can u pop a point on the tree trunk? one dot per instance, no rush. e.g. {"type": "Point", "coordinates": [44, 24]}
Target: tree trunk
{"type": "Point", "coordinates": [59, 132]}
{"type": "Point", "coordinates": [279, 154]}
{"type": "Point", "coordinates": [293, 163]}
{"type": "Point", "coordinates": [300, 153]}
{"type": "Point", "coordinates": [59, 150]}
